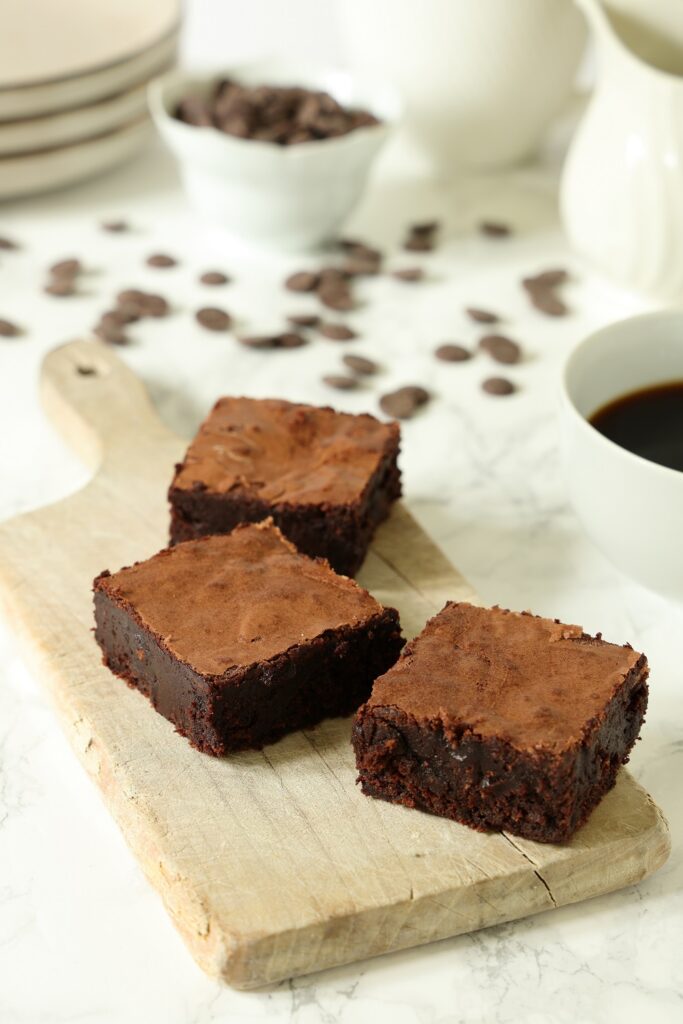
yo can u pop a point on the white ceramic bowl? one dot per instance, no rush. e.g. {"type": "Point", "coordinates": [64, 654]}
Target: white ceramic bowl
{"type": "Point", "coordinates": [630, 507]}
{"type": "Point", "coordinates": [290, 197]}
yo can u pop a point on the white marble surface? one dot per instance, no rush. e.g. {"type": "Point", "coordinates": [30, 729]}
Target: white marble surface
{"type": "Point", "coordinates": [82, 935]}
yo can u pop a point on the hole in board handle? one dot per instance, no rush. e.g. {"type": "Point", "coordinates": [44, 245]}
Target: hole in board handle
{"type": "Point", "coordinates": [86, 371]}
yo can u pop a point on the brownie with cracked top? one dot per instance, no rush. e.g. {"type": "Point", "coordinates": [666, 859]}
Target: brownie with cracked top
{"type": "Point", "coordinates": [502, 720]}
{"type": "Point", "coordinates": [327, 478]}
{"type": "Point", "coordinates": [238, 639]}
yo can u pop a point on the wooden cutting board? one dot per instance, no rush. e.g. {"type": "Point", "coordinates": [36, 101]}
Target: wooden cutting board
{"type": "Point", "coordinates": [270, 863]}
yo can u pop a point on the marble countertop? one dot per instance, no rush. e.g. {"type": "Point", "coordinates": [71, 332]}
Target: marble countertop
{"type": "Point", "coordinates": [82, 935]}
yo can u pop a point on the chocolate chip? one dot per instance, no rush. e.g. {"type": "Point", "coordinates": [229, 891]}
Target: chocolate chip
{"type": "Point", "coordinates": [117, 318]}
{"type": "Point", "coordinates": [360, 364]}
{"type": "Point", "coordinates": [302, 281]}
{"type": "Point", "coordinates": [115, 227]}
{"type": "Point", "coordinates": [498, 386]}
{"type": "Point", "coordinates": [546, 279]}
{"type": "Point", "coordinates": [340, 382]}
{"type": "Point", "coordinates": [453, 353]}
{"type": "Point", "coordinates": [420, 237]}
{"type": "Point", "coordinates": [9, 330]}
{"type": "Point", "coordinates": [136, 304]}
{"type": "Point", "coordinates": [482, 316]}
{"type": "Point", "coordinates": [425, 227]}
{"type": "Point", "coordinates": [111, 333]}
{"type": "Point", "coordinates": [404, 402]}
{"type": "Point", "coordinates": [66, 268]}
{"type": "Point", "coordinates": [213, 319]}
{"type": "Point", "coordinates": [495, 229]}
{"type": "Point", "coordinates": [337, 298]}
{"type": "Point", "coordinates": [417, 243]}
{"type": "Point", "coordinates": [356, 250]}
{"type": "Point", "coordinates": [289, 339]}
{"type": "Point", "coordinates": [408, 274]}
{"type": "Point", "coordinates": [303, 319]}
{"type": "Point", "coordinates": [355, 266]}
{"type": "Point", "coordinates": [500, 348]}
{"type": "Point", "coordinates": [8, 244]}
{"type": "Point", "coordinates": [545, 300]}
{"type": "Point", "coordinates": [195, 111]}
{"type": "Point", "coordinates": [282, 115]}
{"type": "Point", "coordinates": [337, 332]}
{"type": "Point", "coordinates": [214, 277]}
{"type": "Point", "coordinates": [541, 291]}
{"type": "Point", "coordinates": [161, 260]}
{"type": "Point", "coordinates": [61, 286]}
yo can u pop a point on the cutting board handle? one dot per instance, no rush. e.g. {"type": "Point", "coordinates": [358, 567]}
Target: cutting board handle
{"type": "Point", "coordinates": [98, 404]}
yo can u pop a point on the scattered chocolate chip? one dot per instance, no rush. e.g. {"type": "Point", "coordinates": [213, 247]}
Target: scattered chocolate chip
{"type": "Point", "coordinates": [66, 268]}
{"type": "Point", "coordinates": [403, 403]}
{"type": "Point", "coordinates": [161, 260]}
{"type": "Point", "coordinates": [453, 353]}
{"type": "Point", "coordinates": [135, 304]}
{"type": "Point", "coordinates": [408, 274]}
{"type": "Point", "coordinates": [214, 277]}
{"type": "Point", "coordinates": [418, 243]}
{"type": "Point", "coordinates": [421, 236]}
{"type": "Point", "coordinates": [498, 386]}
{"type": "Point", "coordinates": [61, 286]}
{"type": "Point", "coordinates": [425, 227]}
{"type": "Point", "coordinates": [8, 244]}
{"type": "Point", "coordinates": [282, 115]}
{"type": "Point", "coordinates": [482, 316]}
{"type": "Point", "coordinates": [360, 251]}
{"type": "Point", "coordinates": [547, 279]}
{"type": "Point", "coordinates": [541, 291]}
{"type": "Point", "coordinates": [213, 319]}
{"type": "Point", "coordinates": [117, 318]}
{"type": "Point", "coordinates": [111, 333]}
{"type": "Point", "coordinates": [360, 364]}
{"type": "Point", "coordinates": [115, 227]}
{"type": "Point", "coordinates": [340, 382]}
{"type": "Point", "coordinates": [302, 281]}
{"type": "Point", "coordinates": [356, 266]}
{"type": "Point", "coordinates": [494, 229]}
{"type": "Point", "coordinates": [337, 332]}
{"type": "Point", "coordinates": [500, 348]}
{"type": "Point", "coordinates": [289, 339]}
{"type": "Point", "coordinates": [545, 301]}
{"type": "Point", "coordinates": [9, 330]}
{"type": "Point", "coordinates": [336, 297]}
{"type": "Point", "coordinates": [303, 319]}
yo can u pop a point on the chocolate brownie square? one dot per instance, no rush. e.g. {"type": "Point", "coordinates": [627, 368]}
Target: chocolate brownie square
{"type": "Point", "coordinates": [502, 720]}
{"type": "Point", "coordinates": [326, 478]}
{"type": "Point", "coordinates": [238, 639]}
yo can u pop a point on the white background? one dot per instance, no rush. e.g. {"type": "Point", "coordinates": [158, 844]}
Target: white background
{"type": "Point", "coordinates": [82, 935]}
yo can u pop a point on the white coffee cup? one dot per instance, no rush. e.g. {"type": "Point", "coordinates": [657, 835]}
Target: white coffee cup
{"type": "Point", "coordinates": [630, 507]}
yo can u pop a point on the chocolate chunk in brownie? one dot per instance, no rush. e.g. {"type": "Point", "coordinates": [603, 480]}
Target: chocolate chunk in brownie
{"type": "Point", "coordinates": [502, 720]}
{"type": "Point", "coordinates": [239, 639]}
{"type": "Point", "coordinates": [327, 478]}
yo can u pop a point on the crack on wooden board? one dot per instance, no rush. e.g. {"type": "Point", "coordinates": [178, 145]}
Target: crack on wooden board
{"type": "Point", "coordinates": [538, 874]}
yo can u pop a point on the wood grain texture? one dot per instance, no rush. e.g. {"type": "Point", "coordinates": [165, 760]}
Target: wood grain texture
{"type": "Point", "coordinates": [270, 863]}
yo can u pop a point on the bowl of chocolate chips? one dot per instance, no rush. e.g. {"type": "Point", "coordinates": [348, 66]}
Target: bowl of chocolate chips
{"type": "Point", "coordinates": [274, 153]}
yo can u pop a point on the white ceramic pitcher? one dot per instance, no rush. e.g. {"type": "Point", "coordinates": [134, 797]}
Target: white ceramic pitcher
{"type": "Point", "coordinates": [480, 80]}
{"type": "Point", "coordinates": [622, 186]}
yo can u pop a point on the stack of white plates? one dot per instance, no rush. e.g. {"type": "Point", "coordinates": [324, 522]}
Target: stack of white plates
{"type": "Point", "coordinates": [73, 75]}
